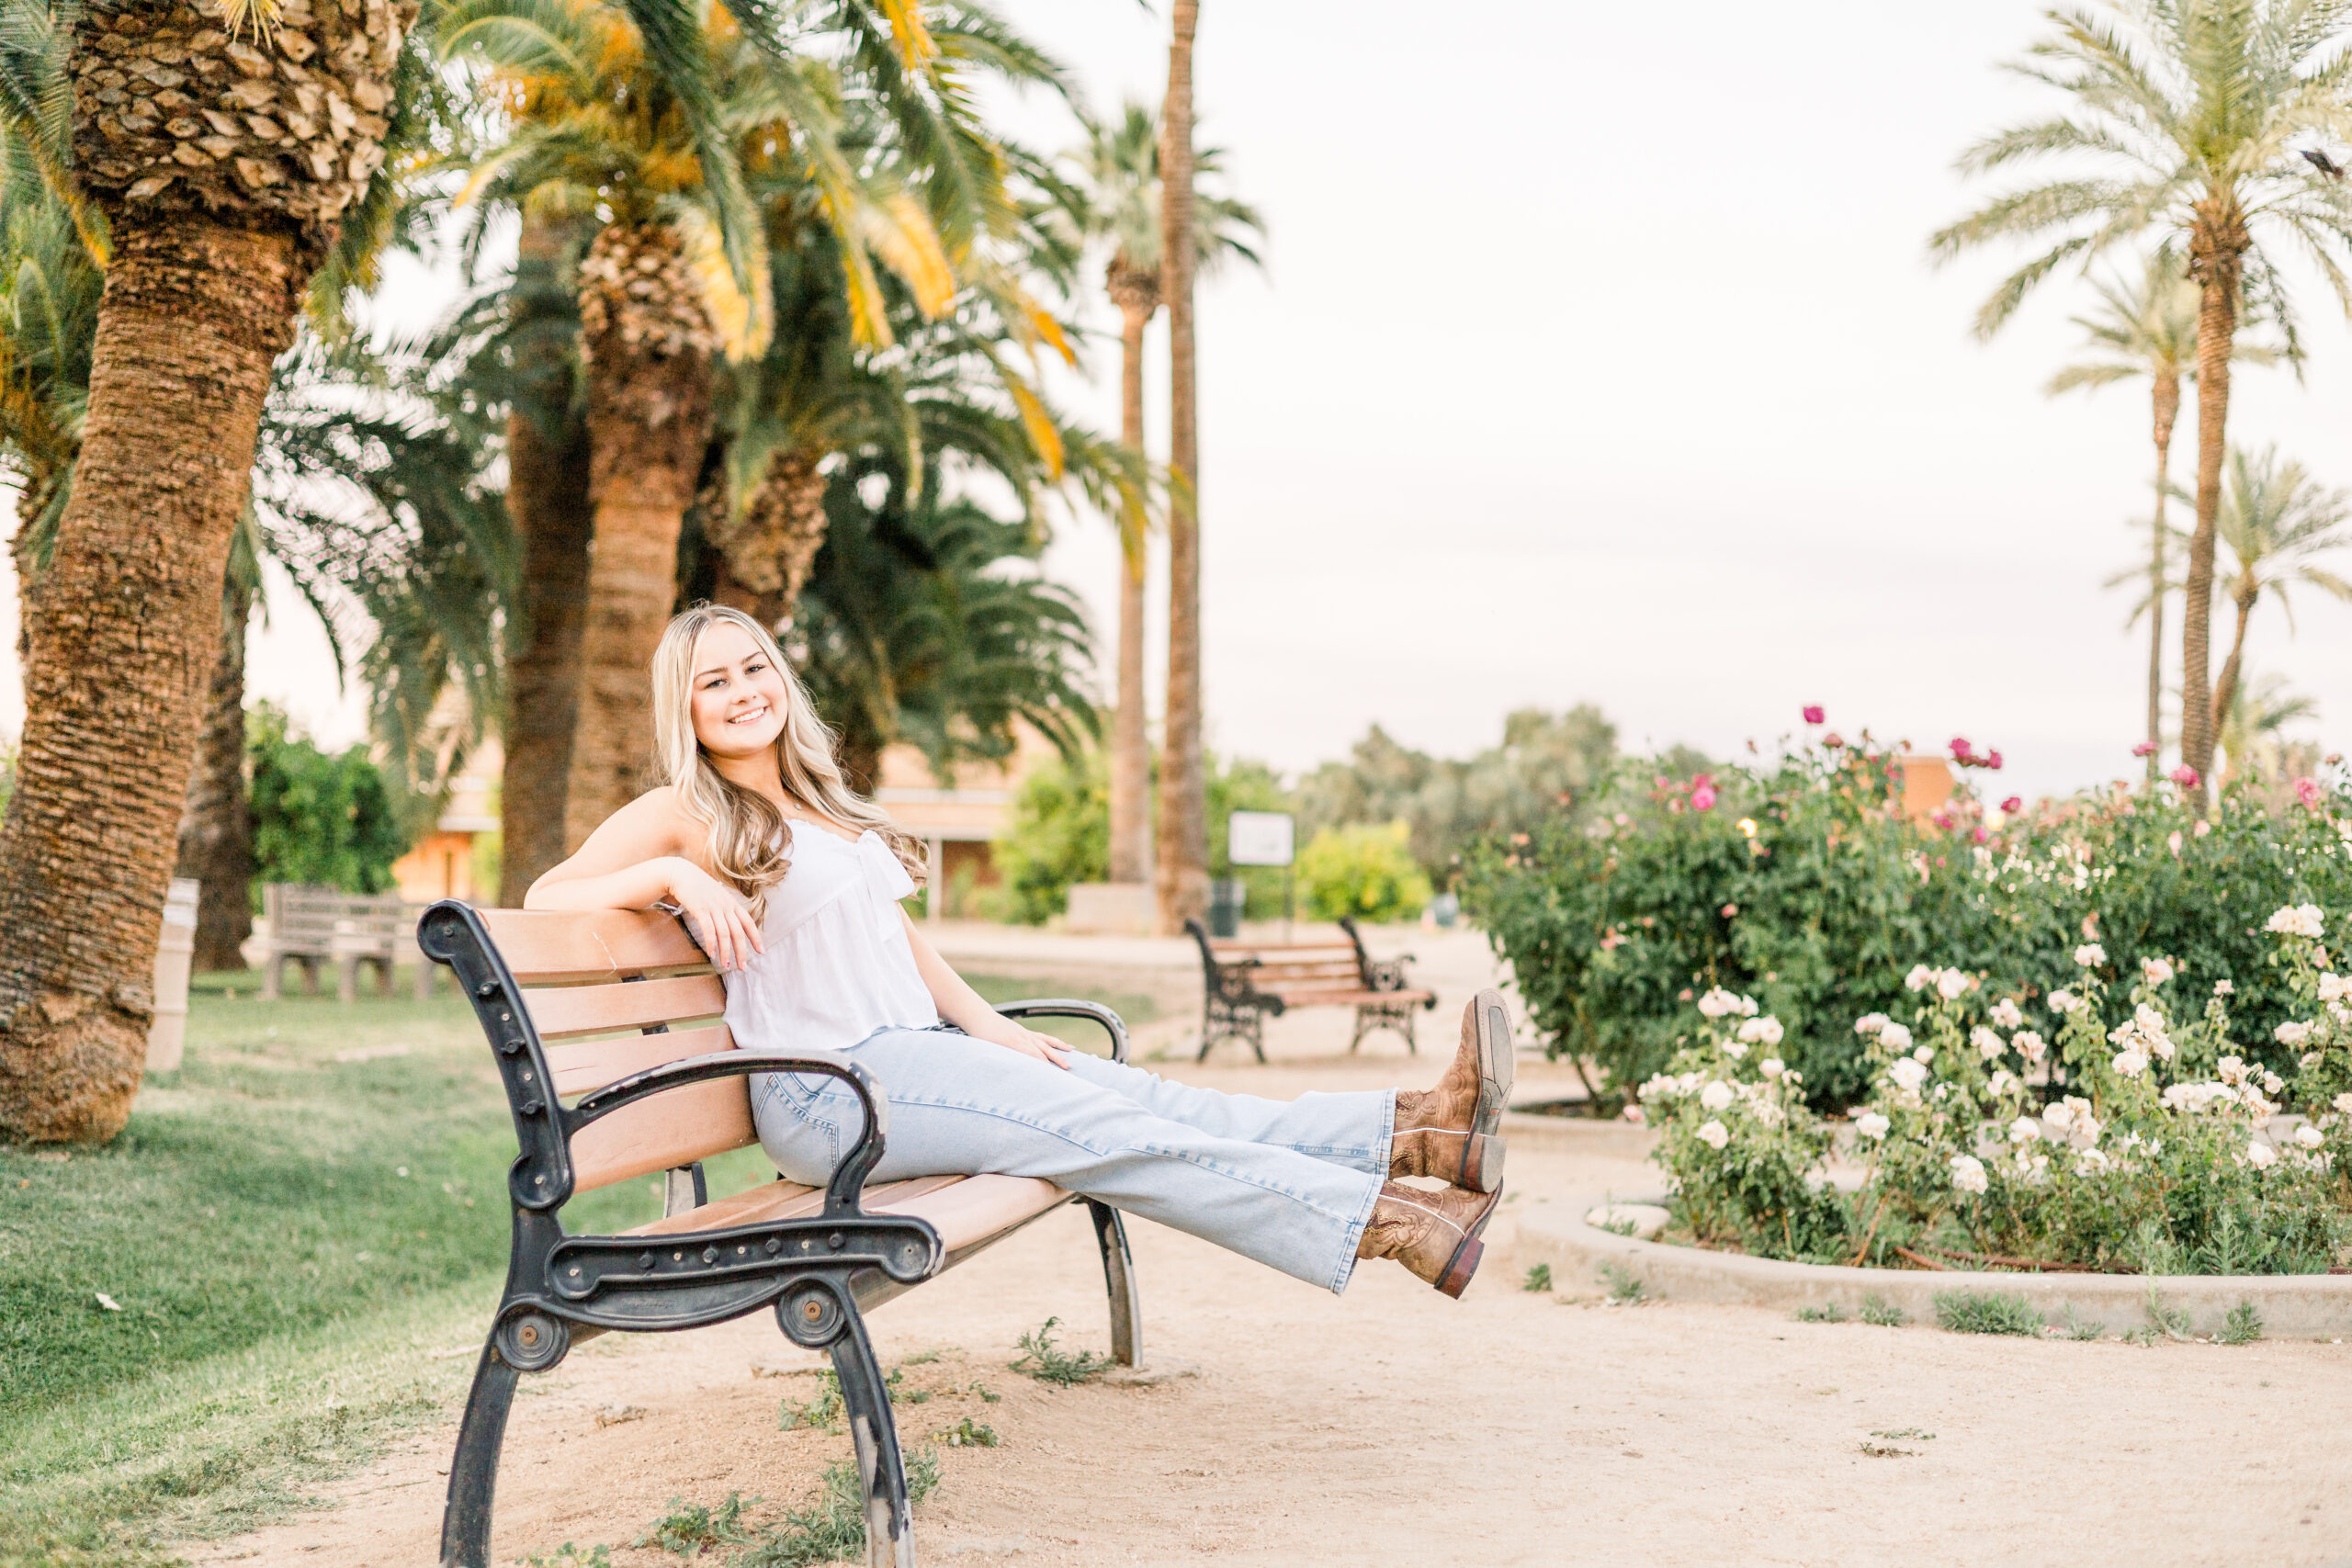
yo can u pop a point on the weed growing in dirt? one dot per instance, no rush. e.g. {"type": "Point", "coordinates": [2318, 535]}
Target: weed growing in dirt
{"type": "Point", "coordinates": [1045, 1362]}
{"type": "Point", "coordinates": [1980, 1311]}
{"type": "Point", "coordinates": [969, 1434]}
{"type": "Point", "coordinates": [1879, 1313]}
{"type": "Point", "coordinates": [921, 1358]}
{"type": "Point", "coordinates": [1887, 1451]}
{"type": "Point", "coordinates": [2243, 1328]}
{"type": "Point", "coordinates": [902, 1395]}
{"type": "Point", "coordinates": [1906, 1434]}
{"type": "Point", "coordinates": [1538, 1278]}
{"type": "Point", "coordinates": [691, 1528]}
{"type": "Point", "coordinates": [571, 1556]}
{"type": "Point", "coordinates": [824, 1412]}
{"type": "Point", "coordinates": [1829, 1313]}
{"type": "Point", "coordinates": [1623, 1287]}
{"type": "Point", "coordinates": [1620, 1226]}
{"type": "Point", "coordinates": [831, 1527]}
{"type": "Point", "coordinates": [986, 1394]}
{"type": "Point", "coordinates": [2169, 1321]}
{"type": "Point", "coordinates": [2080, 1328]}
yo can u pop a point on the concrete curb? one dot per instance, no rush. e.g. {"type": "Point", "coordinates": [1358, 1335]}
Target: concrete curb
{"type": "Point", "coordinates": [1628, 1139]}
{"type": "Point", "coordinates": [2293, 1307]}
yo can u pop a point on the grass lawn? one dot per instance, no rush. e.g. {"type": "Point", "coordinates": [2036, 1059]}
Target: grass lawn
{"type": "Point", "coordinates": [302, 1233]}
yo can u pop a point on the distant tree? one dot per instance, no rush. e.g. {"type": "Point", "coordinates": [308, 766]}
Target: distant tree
{"type": "Point", "coordinates": [320, 817]}
{"type": "Point", "coordinates": [2277, 522]}
{"type": "Point", "coordinates": [2185, 121]}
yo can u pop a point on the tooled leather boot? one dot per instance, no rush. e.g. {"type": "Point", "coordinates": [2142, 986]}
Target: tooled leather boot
{"type": "Point", "coordinates": [1451, 1131]}
{"type": "Point", "coordinates": [1435, 1235]}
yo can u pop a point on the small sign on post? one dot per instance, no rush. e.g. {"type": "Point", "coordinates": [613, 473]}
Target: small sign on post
{"type": "Point", "coordinates": [1264, 838]}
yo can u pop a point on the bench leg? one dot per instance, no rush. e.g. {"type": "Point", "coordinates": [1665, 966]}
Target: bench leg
{"type": "Point", "coordinates": [1119, 1277]}
{"type": "Point", "coordinates": [346, 980]}
{"type": "Point", "coordinates": [881, 1468]}
{"type": "Point", "coordinates": [426, 970]}
{"type": "Point", "coordinates": [273, 976]}
{"type": "Point", "coordinates": [473, 1473]}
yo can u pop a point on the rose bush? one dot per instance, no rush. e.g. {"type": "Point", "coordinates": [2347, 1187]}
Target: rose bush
{"type": "Point", "coordinates": [2116, 1124]}
{"type": "Point", "coordinates": [1803, 882]}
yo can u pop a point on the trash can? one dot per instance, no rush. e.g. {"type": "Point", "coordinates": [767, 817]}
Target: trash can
{"type": "Point", "coordinates": [1445, 910]}
{"type": "Point", "coordinates": [175, 952]}
{"type": "Point", "coordinates": [1226, 899]}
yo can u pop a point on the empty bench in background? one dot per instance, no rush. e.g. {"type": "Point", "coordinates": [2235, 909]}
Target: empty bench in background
{"type": "Point", "coordinates": [617, 1014]}
{"type": "Point", "coordinates": [311, 926]}
{"type": "Point", "coordinates": [1245, 983]}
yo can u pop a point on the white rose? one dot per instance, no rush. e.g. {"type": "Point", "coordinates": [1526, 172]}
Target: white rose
{"type": "Point", "coordinates": [1714, 1134]}
{"type": "Point", "coordinates": [1715, 1096]}
{"type": "Point", "coordinates": [1771, 1067]}
{"type": "Point", "coordinates": [1968, 1173]}
{"type": "Point", "coordinates": [2343, 1103]}
{"type": "Point", "coordinates": [1870, 1124]}
{"type": "Point", "coordinates": [1951, 985]}
{"type": "Point", "coordinates": [2090, 955]}
{"type": "Point", "coordinates": [1907, 1074]}
{"type": "Point", "coordinates": [2024, 1130]}
{"type": "Point", "coordinates": [2272, 1083]}
{"type": "Point", "coordinates": [2130, 1064]}
{"type": "Point", "coordinates": [2001, 1082]}
{"type": "Point", "coordinates": [2062, 1002]}
{"type": "Point", "coordinates": [1869, 1023]}
{"type": "Point", "coordinates": [1920, 977]}
{"type": "Point", "coordinates": [2057, 1117]}
{"type": "Point", "coordinates": [1762, 1031]}
{"type": "Point", "coordinates": [2299, 920]}
{"type": "Point", "coordinates": [1924, 1054]}
{"type": "Point", "coordinates": [2090, 1159]}
{"type": "Point", "coordinates": [1895, 1037]}
{"type": "Point", "coordinates": [2155, 971]}
{"type": "Point", "coordinates": [1747, 1007]}
{"type": "Point", "coordinates": [2261, 1156]}
{"type": "Point", "coordinates": [2230, 1070]}
{"type": "Point", "coordinates": [1988, 1045]}
{"type": "Point", "coordinates": [1735, 1050]}
{"type": "Point", "coordinates": [1717, 1002]}
{"type": "Point", "coordinates": [2030, 1045]}
{"type": "Point", "coordinates": [2291, 1033]}
{"type": "Point", "coordinates": [2006, 1013]}
{"type": "Point", "coordinates": [2310, 1137]}
{"type": "Point", "coordinates": [2335, 988]}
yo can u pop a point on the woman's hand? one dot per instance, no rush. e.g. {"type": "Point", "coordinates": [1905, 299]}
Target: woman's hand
{"type": "Point", "coordinates": [998, 1029]}
{"type": "Point", "coordinates": [720, 918]}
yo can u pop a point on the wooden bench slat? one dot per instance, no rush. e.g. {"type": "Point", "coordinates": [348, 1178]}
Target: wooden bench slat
{"type": "Point", "coordinates": [561, 1010]}
{"type": "Point", "coordinates": [781, 1200]}
{"type": "Point", "coordinates": [677, 1127]}
{"type": "Point", "coordinates": [544, 946]}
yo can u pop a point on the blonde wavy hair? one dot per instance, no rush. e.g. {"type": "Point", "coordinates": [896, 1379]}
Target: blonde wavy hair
{"type": "Point", "coordinates": [749, 844]}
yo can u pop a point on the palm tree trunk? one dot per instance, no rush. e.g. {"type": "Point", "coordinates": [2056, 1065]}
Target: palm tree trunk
{"type": "Point", "coordinates": [546, 496]}
{"type": "Point", "coordinates": [2167, 411]}
{"type": "Point", "coordinates": [1183, 876]}
{"type": "Point", "coordinates": [2226, 689]}
{"type": "Point", "coordinates": [194, 311]}
{"type": "Point", "coordinates": [648, 344]}
{"type": "Point", "coordinates": [217, 830]}
{"type": "Point", "coordinates": [1130, 746]}
{"type": "Point", "coordinates": [2215, 261]}
{"type": "Point", "coordinates": [767, 549]}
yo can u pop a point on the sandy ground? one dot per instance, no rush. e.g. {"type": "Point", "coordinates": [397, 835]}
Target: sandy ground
{"type": "Point", "coordinates": [1395, 1425]}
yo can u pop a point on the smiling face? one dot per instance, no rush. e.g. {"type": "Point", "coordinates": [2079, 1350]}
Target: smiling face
{"type": "Point", "coordinates": [738, 695]}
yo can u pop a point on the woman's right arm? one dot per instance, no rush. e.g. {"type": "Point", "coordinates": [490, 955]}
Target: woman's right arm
{"type": "Point", "coordinates": [635, 860]}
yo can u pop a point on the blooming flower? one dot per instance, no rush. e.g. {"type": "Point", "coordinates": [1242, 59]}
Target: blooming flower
{"type": "Point", "coordinates": [1959, 746]}
{"type": "Point", "coordinates": [1920, 977]}
{"type": "Point", "coordinates": [2029, 1044]}
{"type": "Point", "coordinates": [2062, 1002]}
{"type": "Point", "coordinates": [2224, 989]}
{"type": "Point", "coordinates": [2185, 776]}
{"type": "Point", "coordinates": [1992, 760]}
{"type": "Point", "coordinates": [2090, 955]}
{"type": "Point", "coordinates": [1907, 1074]}
{"type": "Point", "coordinates": [2059, 1116]}
{"type": "Point", "coordinates": [1704, 797]}
{"type": "Point", "coordinates": [2335, 988]}
{"type": "Point", "coordinates": [1925, 1053]}
{"type": "Point", "coordinates": [1869, 1023]}
{"type": "Point", "coordinates": [1814, 714]}
{"type": "Point", "coordinates": [2024, 1130]}
{"type": "Point", "coordinates": [2001, 1082]}
{"type": "Point", "coordinates": [1952, 984]}
{"type": "Point", "coordinates": [2291, 1033]}
{"type": "Point", "coordinates": [1735, 1050]}
{"type": "Point", "coordinates": [1988, 1045]}
{"type": "Point", "coordinates": [2272, 1083]}
{"type": "Point", "coordinates": [1895, 1037]}
{"type": "Point", "coordinates": [1870, 1124]}
{"type": "Point", "coordinates": [1763, 1030]}
{"type": "Point", "coordinates": [2230, 1070]}
{"type": "Point", "coordinates": [1714, 1134]}
{"type": "Point", "coordinates": [2261, 1156]}
{"type": "Point", "coordinates": [2155, 971]}
{"type": "Point", "coordinates": [2299, 920]}
{"type": "Point", "coordinates": [2310, 1137]}
{"type": "Point", "coordinates": [2090, 1160]}
{"type": "Point", "coordinates": [1716, 1095]}
{"type": "Point", "coordinates": [2308, 793]}
{"type": "Point", "coordinates": [2145, 749]}
{"type": "Point", "coordinates": [1633, 1114]}
{"type": "Point", "coordinates": [1717, 1002]}
{"type": "Point", "coordinates": [2006, 1013]}
{"type": "Point", "coordinates": [1968, 1173]}
{"type": "Point", "coordinates": [1771, 1067]}
{"type": "Point", "coordinates": [2012, 806]}
{"type": "Point", "coordinates": [2130, 1064]}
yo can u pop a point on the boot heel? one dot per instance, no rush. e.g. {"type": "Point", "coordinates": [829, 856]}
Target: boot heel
{"type": "Point", "coordinates": [1464, 1263]}
{"type": "Point", "coordinates": [1482, 1162]}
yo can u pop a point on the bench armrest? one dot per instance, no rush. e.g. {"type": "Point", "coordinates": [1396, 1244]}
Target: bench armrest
{"type": "Point", "coordinates": [1068, 1006]}
{"type": "Point", "coordinates": [848, 1181]}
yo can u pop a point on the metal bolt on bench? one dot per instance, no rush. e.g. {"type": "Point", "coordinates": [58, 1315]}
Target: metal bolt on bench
{"type": "Point", "coordinates": [820, 1256]}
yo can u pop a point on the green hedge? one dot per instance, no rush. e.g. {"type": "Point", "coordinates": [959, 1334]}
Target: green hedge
{"type": "Point", "coordinates": [1802, 883]}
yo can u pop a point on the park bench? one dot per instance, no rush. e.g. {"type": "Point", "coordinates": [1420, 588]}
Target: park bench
{"type": "Point", "coordinates": [605, 1029]}
{"type": "Point", "coordinates": [311, 926]}
{"type": "Point", "coordinates": [1245, 983]}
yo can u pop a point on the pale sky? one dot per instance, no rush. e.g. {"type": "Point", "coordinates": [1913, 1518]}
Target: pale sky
{"type": "Point", "coordinates": [1597, 359]}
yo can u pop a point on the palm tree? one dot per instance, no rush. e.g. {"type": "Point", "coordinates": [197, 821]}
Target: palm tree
{"type": "Point", "coordinates": [2148, 330]}
{"type": "Point", "coordinates": [1182, 873]}
{"type": "Point", "coordinates": [2186, 122]}
{"type": "Point", "coordinates": [1118, 168]}
{"type": "Point", "coordinates": [2277, 522]}
{"type": "Point", "coordinates": [2254, 735]}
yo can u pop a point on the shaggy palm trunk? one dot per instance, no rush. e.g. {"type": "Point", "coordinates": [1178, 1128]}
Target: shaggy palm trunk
{"type": "Point", "coordinates": [2225, 688]}
{"type": "Point", "coordinates": [216, 844]}
{"type": "Point", "coordinates": [767, 549]}
{"type": "Point", "coordinates": [193, 314]}
{"type": "Point", "coordinates": [1184, 876]}
{"type": "Point", "coordinates": [2216, 255]}
{"type": "Point", "coordinates": [1136, 293]}
{"type": "Point", "coordinates": [2168, 410]}
{"type": "Point", "coordinates": [647, 342]}
{"type": "Point", "coordinates": [546, 496]}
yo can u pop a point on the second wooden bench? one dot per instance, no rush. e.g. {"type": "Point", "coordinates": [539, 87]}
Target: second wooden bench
{"type": "Point", "coordinates": [1245, 983]}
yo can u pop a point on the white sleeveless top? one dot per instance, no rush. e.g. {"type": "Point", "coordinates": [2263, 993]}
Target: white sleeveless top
{"type": "Point", "coordinates": [836, 965]}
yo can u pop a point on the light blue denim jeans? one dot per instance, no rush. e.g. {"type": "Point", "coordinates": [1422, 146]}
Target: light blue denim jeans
{"type": "Point", "coordinates": [1289, 1183]}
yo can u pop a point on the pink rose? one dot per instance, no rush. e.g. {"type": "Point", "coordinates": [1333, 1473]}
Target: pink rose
{"type": "Point", "coordinates": [2185, 776]}
{"type": "Point", "coordinates": [2012, 806]}
{"type": "Point", "coordinates": [2308, 791]}
{"type": "Point", "coordinates": [1992, 760]}
{"type": "Point", "coordinates": [2145, 749]}
{"type": "Point", "coordinates": [1833, 739]}
{"type": "Point", "coordinates": [1979, 834]}
{"type": "Point", "coordinates": [1813, 712]}
{"type": "Point", "coordinates": [1704, 799]}
{"type": "Point", "coordinates": [1960, 748]}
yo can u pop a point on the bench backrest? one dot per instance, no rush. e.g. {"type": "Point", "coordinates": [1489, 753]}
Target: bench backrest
{"type": "Point", "coordinates": [305, 916]}
{"type": "Point", "coordinates": [594, 983]}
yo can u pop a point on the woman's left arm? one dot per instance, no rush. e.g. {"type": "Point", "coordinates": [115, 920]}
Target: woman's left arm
{"type": "Point", "coordinates": [967, 1010]}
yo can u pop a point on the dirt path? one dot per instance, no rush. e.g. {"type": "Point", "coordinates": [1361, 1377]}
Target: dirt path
{"type": "Point", "coordinates": [1395, 1426]}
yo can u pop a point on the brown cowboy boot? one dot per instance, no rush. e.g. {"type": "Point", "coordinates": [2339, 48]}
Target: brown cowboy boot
{"type": "Point", "coordinates": [1451, 1132]}
{"type": "Point", "coordinates": [1433, 1233]}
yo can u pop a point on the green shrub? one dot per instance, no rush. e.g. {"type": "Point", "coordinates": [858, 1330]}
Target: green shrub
{"type": "Point", "coordinates": [318, 819]}
{"type": "Point", "coordinates": [1061, 834]}
{"type": "Point", "coordinates": [1987, 1312]}
{"type": "Point", "coordinates": [1363, 871]}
